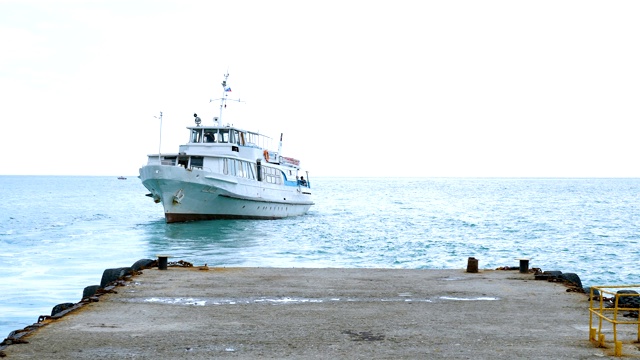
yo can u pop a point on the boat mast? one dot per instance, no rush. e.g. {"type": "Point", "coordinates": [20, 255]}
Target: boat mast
{"type": "Point", "coordinates": [223, 100]}
{"type": "Point", "coordinates": [159, 142]}
{"type": "Point", "coordinates": [224, 96]}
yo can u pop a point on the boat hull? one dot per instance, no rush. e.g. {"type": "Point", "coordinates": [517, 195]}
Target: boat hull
{"type": "Point", "coordinates": [190, 195]}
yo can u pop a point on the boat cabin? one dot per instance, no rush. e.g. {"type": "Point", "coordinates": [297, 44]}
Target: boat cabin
{"type": "Point", "coordinates": [227, 135]}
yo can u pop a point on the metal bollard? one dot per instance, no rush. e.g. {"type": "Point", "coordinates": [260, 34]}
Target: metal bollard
{"type": "Point", "coordinates": [162, 262]}
{"type": "Point", "coordinates": [472, 265]}
{"type": "Point", "coordinates": [524, 266]}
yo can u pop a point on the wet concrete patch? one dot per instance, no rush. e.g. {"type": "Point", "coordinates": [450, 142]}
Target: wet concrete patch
{"type": "Point", "coordinates": [363, 335]}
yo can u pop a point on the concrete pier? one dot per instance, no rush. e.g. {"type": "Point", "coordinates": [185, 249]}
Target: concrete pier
{"type": "Point", "coordinates": [300, 313]}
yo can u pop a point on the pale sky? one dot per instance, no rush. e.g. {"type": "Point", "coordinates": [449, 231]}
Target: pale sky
{"type": "Point", "coordinates": [359, 88]}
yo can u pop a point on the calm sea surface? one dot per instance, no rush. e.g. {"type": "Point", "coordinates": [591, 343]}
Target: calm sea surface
{"type": "Point", "coordinates": [58, 234]}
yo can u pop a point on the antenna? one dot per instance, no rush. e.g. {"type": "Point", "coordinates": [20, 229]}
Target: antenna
{"type": "Point", "coordinates": [225, 89]}
{"type": "Point", "coordinates": [159, 142]}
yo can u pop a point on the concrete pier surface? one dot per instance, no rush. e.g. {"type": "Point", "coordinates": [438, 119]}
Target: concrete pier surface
{"type": "Point", "coordinates": [334, 313]}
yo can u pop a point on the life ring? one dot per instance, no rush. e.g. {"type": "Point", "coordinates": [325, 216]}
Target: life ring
{"type": "Point", "coordinates": [266, 155]}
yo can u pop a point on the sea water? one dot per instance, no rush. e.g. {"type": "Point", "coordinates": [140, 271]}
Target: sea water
{"type": "Point", "coordinates": [58, 234]}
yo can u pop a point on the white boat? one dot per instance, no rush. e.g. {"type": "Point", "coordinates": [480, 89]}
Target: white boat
{"type": "Point", "coordinates": [225, 172]}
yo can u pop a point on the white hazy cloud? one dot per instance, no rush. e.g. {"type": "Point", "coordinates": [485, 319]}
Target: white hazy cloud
{"type": "Point", "coordinates": [380, 88]}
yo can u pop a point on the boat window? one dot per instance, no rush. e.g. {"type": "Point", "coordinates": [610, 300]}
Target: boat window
{"type": "Point", "coordinates": [239, 168]}
{"type": "Point", "coordinates": [247, 169]}
{"type": "Point", "coordinates": [233, 168]}
{"type": "Point", "coordinates": [223, 136]}
{"type": "Point", "coordinates": [168, 160]}
{"type": "Point", "coordinates": [196, 135]}
{"type": "Point", "coordinates": [241, 139]}
{"type": "Point", "coordinates": [252, 171]}
{"type": "Point", "coordinates": [233, 136]}
{"type": "Point", "coordinates": [197, 161]}
{"type": "Point", "coordinates": [209, 136]}
{"type": "Point", "coordinates": [242, 169]}
{"type": "Point", "coordinates": [271, 175]}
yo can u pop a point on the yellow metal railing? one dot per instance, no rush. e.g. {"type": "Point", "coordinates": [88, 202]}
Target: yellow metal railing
{"type": "Point", "coordinates": [611, 312]}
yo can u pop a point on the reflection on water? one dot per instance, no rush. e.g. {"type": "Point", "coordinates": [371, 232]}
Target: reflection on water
{"type": "Point", "coordinates": [216, 230]}
{"type": "Point", "coordinates": [227, 242]}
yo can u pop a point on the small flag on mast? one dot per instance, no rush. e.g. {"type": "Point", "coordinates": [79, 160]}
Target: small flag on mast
{"type": "Point", "coordinates": [227, 89]}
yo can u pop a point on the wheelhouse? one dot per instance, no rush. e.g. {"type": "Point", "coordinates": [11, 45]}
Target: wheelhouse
{"type": "Point", "coordinates": [227, 135]}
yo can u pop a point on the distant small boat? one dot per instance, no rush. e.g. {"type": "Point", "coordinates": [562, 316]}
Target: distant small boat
{"type": "Point", "coordinates": [122, 178]}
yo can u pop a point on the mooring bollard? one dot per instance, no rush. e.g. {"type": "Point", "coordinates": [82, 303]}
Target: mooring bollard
{"type": "Point", "coordinates": [162, 262]}
{"type": "Point", "coordinates": [524, 266]}
{"type": "Point", "coordinates": [472, 265]}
